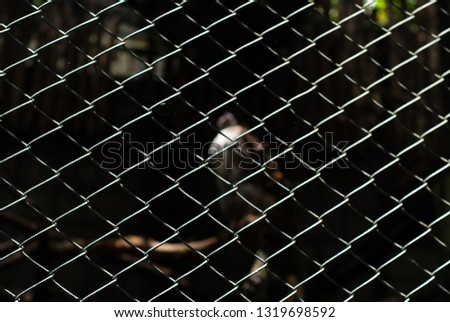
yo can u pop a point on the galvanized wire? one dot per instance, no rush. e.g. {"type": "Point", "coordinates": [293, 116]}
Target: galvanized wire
{"type": "Point", "coordinates": [109, 189]}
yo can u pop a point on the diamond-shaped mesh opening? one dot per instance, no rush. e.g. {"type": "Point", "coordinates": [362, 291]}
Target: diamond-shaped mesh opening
{"type": "Point", "coordinates": [28, 262]}
{"type": "Point", "coordinates": [71, 283]}
{"type": "Point", "coordinates": [224, 151]}
{"type": "Point", "coordinates": [21, 53]}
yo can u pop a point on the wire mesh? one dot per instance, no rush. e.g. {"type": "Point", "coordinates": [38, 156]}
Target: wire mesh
{"type": "Point", "coordinates": [224, 150]}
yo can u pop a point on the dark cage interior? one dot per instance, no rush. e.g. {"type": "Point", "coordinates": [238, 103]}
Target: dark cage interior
{"type": "Point", "coordinates": [228, 150]}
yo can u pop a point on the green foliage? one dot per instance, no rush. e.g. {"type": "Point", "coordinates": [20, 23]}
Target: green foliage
{"type": "Point", "coordinates": [334, 10]}
{"type": "Point", "coordinates": [384, 12]}
{"type": "Point", "coordinates": [38, 3]}
{"type": "Point", "coordinates": [387, 12]}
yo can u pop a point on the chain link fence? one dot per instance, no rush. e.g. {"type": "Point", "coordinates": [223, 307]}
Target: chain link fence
{"type": "Point", "coordinates": [225, 150]}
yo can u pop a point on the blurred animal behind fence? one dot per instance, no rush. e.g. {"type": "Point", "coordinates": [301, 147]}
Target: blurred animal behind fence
{"type": "Point", "coordinates": [246, 176]}
{"type": "Point", "coordinates": [236, 157]}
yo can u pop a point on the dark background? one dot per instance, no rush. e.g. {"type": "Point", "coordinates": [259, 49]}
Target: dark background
{"type": "Point", "coordinates": [76, 77]}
